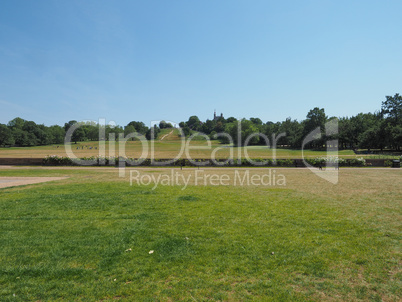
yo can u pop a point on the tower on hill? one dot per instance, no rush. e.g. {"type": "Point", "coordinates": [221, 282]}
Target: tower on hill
{"type": "Point", "coordinates": [216, 117]}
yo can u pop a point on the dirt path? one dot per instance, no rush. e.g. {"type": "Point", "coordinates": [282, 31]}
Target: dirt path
{"type": "Point", "coordinates": [166, 135]}
{"type": "Point", "coordinates": [20, 181]}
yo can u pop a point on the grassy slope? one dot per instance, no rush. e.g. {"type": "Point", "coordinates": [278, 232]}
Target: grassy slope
{"type": "Point", "coordinates": [68, 240]}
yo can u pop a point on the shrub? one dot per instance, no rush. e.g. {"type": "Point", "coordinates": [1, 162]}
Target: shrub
{"type": "Point", "coordinates": [387, 163]}
{"type": "Point", "coordinates": [333, 160]}
{"type": "Point", "coordinates": [55, 160]}
{"type": "Point", "coordinates": [285, 163]}
{"type": "Point", "coordinates": [357, 162]}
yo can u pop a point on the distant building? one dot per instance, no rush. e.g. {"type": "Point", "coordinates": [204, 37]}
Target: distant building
{"type": "Point", "coordinates": [216, 117]}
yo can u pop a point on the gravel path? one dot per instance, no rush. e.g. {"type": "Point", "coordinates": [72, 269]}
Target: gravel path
{"type": "Point", "coordinates": [20, 181]}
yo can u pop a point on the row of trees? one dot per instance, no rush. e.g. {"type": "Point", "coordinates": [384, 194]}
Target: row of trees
{"type": "Point", "coordinates": [27, 133]}
{"type": "Point", "coordinates": [20, 132]}
{"type": "Point", "coordinates": [379, 130]}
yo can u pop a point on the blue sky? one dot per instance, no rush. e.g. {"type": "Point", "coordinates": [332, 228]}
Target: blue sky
{"type": "Point", "coordinates": [153, 60]}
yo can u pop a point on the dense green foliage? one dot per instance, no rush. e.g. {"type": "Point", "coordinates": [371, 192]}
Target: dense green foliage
{"type": "Point", "coordinates": [379, 130]}
{"type": "Point", "coordinates": [54, 160]}
{"type": "Point", "coordinates": [20, 132]}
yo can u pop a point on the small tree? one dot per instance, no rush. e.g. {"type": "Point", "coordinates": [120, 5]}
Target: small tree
{"type": "Point", "coordinates": [152, 133]}
{"type": "Point", "coordinates": [78, 135]}
{"type": "Point", "coordinates": [129, 129]}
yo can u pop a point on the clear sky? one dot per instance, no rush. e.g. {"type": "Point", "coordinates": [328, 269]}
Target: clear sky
{"type": "Point", "coordinates": [152, 60]}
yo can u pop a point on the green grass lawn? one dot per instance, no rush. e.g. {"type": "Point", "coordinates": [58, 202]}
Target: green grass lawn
{"type": "Point", "coordinates": [88, 238]}
{"type": "Point", "coordinates": [169, 147]}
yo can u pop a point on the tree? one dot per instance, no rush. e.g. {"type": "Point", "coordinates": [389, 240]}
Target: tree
{"type": "Point", "coordinates": [392, 112]}
{"type": "Point", "coordinates": [152, 133]}
{"type": "Point", "coordinates": [344, 128]}
{"type": "Point", "coordinates": [256, 121]}
{"type": "Point", "coordinates": [392, 108]}
{"type": "Point", "coordinates": [194, 123]}
{"type": "Point", "coordinates": [269, 129]}
{"type": "Point", "coordinates": [6, 136]}
{"type": "Point", "coordinates": [78, 135]}
{"type": "Point", "coordinates": [208, 126]}
{"type": "Point", "coordinates": [129, 129]}
{"type": "Point", "coordinates": [368, 139]}
{"type": "Point", "coordinates": [69, 124]}
{"type": "Point", "coordinates": [165, 125]}
{"type": "Point", "coordinates": [20, 137]}
{"type": "Point", "coordinates": [57, 133]}
{"type": "Point", "coordinates": [92, 132]}
{"type": "Point", "coordinates": [240, 132]}
{"type": "Point", "coordinates": [138, 126]}
{"type": "Point", "coordinates": [186, 131]}
{"type": "Point", "coordinates": [16, 123]}
{"type": "Point", "coordinates": [212, 135]}
{"type": "Point", "coordinates": [219, 127]}
{"type": "Point", "coordinates": [363, 122]}
{"type": "Point", "coordinates": [44, 136]}
{"type": "Point", "coordinates": [396, 134]}
{"type": "Point", "coordinates": [315, 118]}
{"type": "Point", "coordinates": [34, 133]}
{"type": "Point", "coordinates": [111, 130]}
{"type": "Point", "coordinates": [293, 130]}
{"type": "Point", "coordinates": [231, 119]}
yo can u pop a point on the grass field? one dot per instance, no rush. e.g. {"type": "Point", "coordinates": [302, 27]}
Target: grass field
{"type": "Point", "coordinates": [90, 237]}
{"type": "Point", "coordinates": [169, 147]}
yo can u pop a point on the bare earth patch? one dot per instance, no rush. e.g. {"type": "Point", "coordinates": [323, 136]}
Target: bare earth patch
{"type": "Point", "coordinates": [20, 181]}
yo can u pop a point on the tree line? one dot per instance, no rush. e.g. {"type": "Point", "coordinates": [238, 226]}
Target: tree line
{"type": "Point", "coordinates": [23, 133]}
{"type": "Point", "coordinates": [379, 130]}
